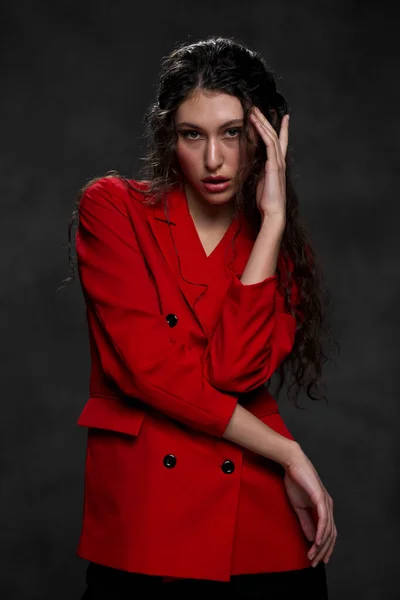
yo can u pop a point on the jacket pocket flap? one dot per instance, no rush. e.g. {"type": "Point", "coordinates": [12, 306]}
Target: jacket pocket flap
{"type": "Point", "coordinates": [107, 412]}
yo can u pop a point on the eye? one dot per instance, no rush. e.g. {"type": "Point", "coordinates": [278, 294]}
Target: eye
{"type": "Point", "coordinates": [187, 134]}
{"type": "Point", "coordinates": [234, 131]}
{"type": "Point", "coordinates": [192, 134]}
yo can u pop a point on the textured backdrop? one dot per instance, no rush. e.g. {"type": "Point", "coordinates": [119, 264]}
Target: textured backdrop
{"type": "Point", "coordinates": [76, 79]}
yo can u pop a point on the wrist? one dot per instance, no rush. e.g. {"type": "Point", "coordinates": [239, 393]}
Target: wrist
{"type": "Point", "coordinates": [277, 221]}
{"type": "Point", "coordinates": [290, 453]}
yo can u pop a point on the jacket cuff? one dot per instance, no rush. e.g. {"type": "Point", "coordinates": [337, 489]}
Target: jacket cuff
{"type": "Point", "coordinates": [257, 295]}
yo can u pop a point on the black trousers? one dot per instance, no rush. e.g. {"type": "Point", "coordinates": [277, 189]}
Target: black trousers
{"type": "Point", "coordinates": [105, 583]}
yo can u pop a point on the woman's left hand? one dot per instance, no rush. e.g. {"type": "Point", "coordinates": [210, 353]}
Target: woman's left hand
{"type": "Point", "coordinates": [271, 187]}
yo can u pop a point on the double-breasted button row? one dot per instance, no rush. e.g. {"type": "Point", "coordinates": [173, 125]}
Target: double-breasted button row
{"type": "Point", "coordinates": [170, 461]}
{"type": "Point", "coordinates": [171, 319]}
{"type": "Point", "coordinates": [228, 466]}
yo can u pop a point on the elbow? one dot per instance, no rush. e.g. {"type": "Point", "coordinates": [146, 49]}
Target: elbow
{"type": "Point", "coordinates": [238, 379]}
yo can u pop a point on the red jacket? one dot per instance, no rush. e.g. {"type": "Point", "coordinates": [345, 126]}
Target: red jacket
{"type": "Point", "coordinates": [176, 342]}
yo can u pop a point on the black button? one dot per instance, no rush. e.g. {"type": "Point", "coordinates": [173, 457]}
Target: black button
{"type": "Point", "coordinates": [169, 461]}
{"type": "Point", "coordinates": [228, 466]}
{"type": "Point", "coordinates": [171, 320]}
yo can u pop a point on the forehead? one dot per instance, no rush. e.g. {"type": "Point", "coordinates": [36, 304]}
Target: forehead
{"type": "Point", "coordinates": [209, 109]}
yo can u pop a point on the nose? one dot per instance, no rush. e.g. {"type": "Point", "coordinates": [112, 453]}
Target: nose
{"type": "Point", "coordinates": [213, 155]}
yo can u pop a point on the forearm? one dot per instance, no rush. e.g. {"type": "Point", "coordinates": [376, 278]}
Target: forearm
{"type": "Point", "coordinates": [264, 255]}
{"type": "Point", "coordinates": [253, 337]}
{"type": "Point", "coordinates": [248, 431]}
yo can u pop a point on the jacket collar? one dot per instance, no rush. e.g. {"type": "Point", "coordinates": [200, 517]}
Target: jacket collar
{"type": "Point", "coordinates": [177, 238]}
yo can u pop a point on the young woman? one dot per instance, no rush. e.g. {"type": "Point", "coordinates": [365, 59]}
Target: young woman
{"type": "Point", "coordinates": [200, 284]}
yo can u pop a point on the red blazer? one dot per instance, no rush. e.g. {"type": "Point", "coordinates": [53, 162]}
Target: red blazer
{"type": "Point", "coordinates": [176, 341]}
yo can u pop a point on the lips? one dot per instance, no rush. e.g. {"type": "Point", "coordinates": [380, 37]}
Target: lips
{"type": "Point", "coordinates": [216, 185]}
{"type": "Point", "coordinates": [215, 179]}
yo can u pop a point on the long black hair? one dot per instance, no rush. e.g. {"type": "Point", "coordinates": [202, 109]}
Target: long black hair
{"type": "Point", "coordinates": [225, 65]}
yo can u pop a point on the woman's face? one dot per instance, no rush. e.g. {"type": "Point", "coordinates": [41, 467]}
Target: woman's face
{"type": "Point", "coordinates": [209, 128]}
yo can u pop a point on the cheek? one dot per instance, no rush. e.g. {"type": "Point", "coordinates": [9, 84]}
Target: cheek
{"type": "Point", "coordinates": [238, 152]}
{"type": "Point", "coordinates": [186, 158]}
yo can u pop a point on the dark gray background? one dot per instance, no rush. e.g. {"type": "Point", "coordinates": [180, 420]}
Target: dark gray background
{"type": "Point", "coordinates": [76, 80]}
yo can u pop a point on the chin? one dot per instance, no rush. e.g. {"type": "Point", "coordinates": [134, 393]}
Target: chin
{"type": "Point", "coordinates": [215, 198]}
{"type": "Point", "coordinates": [220, 199]}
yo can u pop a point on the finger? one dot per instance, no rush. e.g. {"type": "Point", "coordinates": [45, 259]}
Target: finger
{"type": "Point", "coordinates": [284, 135]}
{"type": "Point", "coordinates": [257, 112]}
{"type": "Point", "coordinates": [283, 132]}
{"type": "Point", "coordinates": [331, 547]}
{"type": "Point", "coordinates": [321, 516]}
{"type": "Point", "coordinates": [322, 552]}
{"type": "Point", "coordinates": [329, 524]}
{"type": "Point", "coordinates": [322, 520]}
{"type": "Point", "coordinates": [327, 548]}
{"type": "Point", "coordinates": [307, 523]}
{"type": "Point", "coordinates": [259, 119]}
{"type": "Point", "coordinates": [264, 121]}
{"type": "Point", "coordinates": [327, 538]}
{"type": "Point", "coordinates": [269, 142]}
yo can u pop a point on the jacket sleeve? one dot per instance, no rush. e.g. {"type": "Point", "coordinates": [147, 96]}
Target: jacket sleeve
{"type": "Point", "coordinates": [253, 337]}
{"type": "Point", "coordinates": [133, 339]}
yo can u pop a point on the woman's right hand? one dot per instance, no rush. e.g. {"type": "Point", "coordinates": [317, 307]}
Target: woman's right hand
{"type": "Point", "coordinates": [311, 502]}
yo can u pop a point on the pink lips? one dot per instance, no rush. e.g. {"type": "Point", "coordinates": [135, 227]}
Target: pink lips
{"type": "Point", "coordinates": [217, 186]}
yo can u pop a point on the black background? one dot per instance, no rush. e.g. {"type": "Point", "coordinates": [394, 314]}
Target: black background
{"type": "Point", "coordinates": [76, 79]}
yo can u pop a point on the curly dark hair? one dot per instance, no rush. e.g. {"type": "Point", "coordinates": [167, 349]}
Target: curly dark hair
{"type": "Point", "coordinates": [225, 65]}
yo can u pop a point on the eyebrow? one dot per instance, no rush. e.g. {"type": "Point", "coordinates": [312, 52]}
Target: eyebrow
{"type": "Point", "coordinates": [194, 126]}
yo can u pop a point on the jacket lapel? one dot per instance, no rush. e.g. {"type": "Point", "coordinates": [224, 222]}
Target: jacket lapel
{"type": "Point", "coordinates": [171, 229]}
{"type": "Point", "coordinates": [177, 238]}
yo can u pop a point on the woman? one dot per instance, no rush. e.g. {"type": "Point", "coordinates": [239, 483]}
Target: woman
{"type": "Point", "coordinates": [200, 284]}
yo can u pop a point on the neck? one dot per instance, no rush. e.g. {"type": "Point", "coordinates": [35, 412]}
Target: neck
{"type": "Point", "coordinates": [205, 214]}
